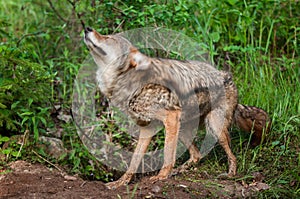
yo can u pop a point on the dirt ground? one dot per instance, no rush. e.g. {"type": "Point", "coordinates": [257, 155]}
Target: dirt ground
{"type": "Point", "coordinates": [24, 180]}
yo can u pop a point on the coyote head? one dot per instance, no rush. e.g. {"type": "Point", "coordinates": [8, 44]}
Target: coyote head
{"type": "Point", "coordinates": [114, 51]}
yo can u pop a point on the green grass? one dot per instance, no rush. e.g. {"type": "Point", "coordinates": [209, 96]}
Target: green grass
{"type": "Point", "coordinates": [259, 40]}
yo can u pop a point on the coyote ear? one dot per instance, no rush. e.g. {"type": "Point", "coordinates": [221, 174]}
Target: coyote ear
{"type": "Point", "coordinates": [138, 60]}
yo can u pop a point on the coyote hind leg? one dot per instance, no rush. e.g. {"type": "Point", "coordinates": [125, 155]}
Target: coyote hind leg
{"type": "Point", "coordinates": [224, 141]}
{"type": "Point", "coordinates": [217, 123]}
{"type": "Point", "coordinates": [187, 138]}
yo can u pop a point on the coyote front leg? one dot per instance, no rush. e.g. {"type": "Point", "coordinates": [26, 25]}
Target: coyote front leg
{"type": "Point", "coordinates": [172, 125]}
{"type": "Point", "coordinates": [141, 148]}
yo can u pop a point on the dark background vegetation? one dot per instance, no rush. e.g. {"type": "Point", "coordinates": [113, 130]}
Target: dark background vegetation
{"type": "Point", "coordinates": [41, 51]}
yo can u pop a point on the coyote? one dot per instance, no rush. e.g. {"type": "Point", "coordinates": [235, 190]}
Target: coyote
{"type": "Point", "coordinates": [215, 91]}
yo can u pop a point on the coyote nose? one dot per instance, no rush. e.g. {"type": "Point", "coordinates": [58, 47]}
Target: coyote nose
{"type": "Point", "coordinates": [88, 29]}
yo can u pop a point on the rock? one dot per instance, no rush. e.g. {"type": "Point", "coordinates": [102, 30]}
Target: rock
{"type": "Point", "coordinates": [52, 146]}
{"type": "Point", "coordinates": [65, 117]}
{"type": "Point", "coordinates": [262, 186]}
{"type": "Point", "coordinates": [156, 189]}
{"type": "Point", "coordinates": [258, 177]}
{"type": "Point", "coordinates": [55, 132]}
{"type": "Point", "coordinates": [70, 178]}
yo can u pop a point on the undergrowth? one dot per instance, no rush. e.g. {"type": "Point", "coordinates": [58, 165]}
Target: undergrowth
{"type": "Point", "coordinates": [41, 51]}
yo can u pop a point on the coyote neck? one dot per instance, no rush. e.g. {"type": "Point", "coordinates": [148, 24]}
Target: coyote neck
{"type": "Point", "coordinates": [105, 79]}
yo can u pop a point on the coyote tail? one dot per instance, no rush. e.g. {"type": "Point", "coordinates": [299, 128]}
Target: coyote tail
{"type": "Point", "coordinates": [252, 119]}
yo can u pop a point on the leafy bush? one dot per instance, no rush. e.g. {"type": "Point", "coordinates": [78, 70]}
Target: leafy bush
{"type": "Point", "coordinates": [24, 91]}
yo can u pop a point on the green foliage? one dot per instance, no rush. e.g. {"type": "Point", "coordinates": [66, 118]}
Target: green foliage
{"type": "Point", "coordinates": [24, 90]}
{"type": "Point", "coordinates": [81, 161]}
{"type": "Point", "coordinates": [41, 51]}
{"type": "Point", "coordinates": [12, 150]}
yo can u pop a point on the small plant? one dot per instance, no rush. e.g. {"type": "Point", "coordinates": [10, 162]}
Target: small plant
{"type": "Point", "coordinates": [79, 160]}
{"type": "Point", "coordinates": [11, 149]}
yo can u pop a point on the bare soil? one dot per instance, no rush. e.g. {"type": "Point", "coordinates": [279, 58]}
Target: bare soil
{"type": "Point", "coordinates": [24, 180]}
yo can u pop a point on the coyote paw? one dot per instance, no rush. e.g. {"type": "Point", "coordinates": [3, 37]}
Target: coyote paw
{"type": "Point", "coordinates": [188, 164]}
{"type": "Point", "coordinates": [115, 184]}
{"type": "Point", "coordinates": [163, 174]}
{"type": "Point", "coordinates": [124, 180]}
{"type": "Point", "coordinates": [157, 178]}
{"type": "Point", "coordinates": [225, 175]}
